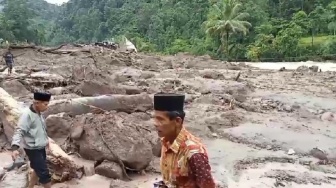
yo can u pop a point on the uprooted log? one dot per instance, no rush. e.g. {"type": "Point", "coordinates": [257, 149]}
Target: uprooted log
{"type": "Point", "coordinates": [62, 167]}
{"type": "Point", "coordinates": [15, 46]}
{"type": "Point", "coordinates": [83, 105]}
{"type": "Point", "coordinates": [55, 50]}
{"type": "Point", "coordinates": [38, 79]}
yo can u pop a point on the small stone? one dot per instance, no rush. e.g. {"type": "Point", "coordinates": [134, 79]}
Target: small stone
{"type": "Point", "coordinates": [328, 116]}
{"type": "Point", "coordinates": [314, 68]}
{"type": "Point", "coordinates": [288, 108]}
{"type": "Point", "coordinates": [215, 135]}
{"type": "Point", "coordinates": [296, 106]}
{"type": "Point", "coordinates": [320, 111]}
{"type": "Point", "coordinates": [110, 170]}
{"type": "Point", "coordinates": [319, 154]}
{"type": "Point", "coordinates": [76, 132]}
{"type": "Point", "coordinates": [291, 152]}
{"type": "Point", "coordinates": [282, 69]}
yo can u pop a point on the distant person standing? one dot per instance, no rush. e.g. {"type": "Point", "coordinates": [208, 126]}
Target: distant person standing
{"type": "Point", "coordinates": [9, 59]}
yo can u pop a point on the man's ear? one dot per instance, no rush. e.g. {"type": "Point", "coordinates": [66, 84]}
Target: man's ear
{"type": "Point", "coordinates": [178, 121]}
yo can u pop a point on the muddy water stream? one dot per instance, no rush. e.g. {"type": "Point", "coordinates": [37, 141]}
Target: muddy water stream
{"type": "Point", "coordinates": [224, 156]}
{"type": "Point", "coordinates": [328, 66]}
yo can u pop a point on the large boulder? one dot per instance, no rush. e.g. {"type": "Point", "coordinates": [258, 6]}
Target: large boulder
{"type": "Point", "coordinates": [121, 133]}
{"type": "Point", "coordinates": [15, 88]}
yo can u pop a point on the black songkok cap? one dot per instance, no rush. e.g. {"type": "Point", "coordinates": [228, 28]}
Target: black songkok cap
{"type": "Point", "coordinates": [39, 96]}
{"type": "Point", "coordinates": [168, 102]}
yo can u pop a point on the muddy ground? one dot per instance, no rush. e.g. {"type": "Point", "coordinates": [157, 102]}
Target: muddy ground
{"type": "Point", "coordinates": [265, 128]}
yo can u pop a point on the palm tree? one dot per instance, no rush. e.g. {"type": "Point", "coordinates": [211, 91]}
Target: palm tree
{"type": "Point", "coordinates": [224, 19]}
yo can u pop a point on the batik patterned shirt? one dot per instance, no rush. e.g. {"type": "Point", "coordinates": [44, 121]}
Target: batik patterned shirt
{"type": "Point", "coordinates": [185, 163]}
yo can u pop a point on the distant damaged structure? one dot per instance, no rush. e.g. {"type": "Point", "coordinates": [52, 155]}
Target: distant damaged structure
{"type": "Point", "coordinates": [123, 45]}
{"type": "Point", "coordinates": [107, 44]}
{"type": "Point", "coordinates": [127, 45]}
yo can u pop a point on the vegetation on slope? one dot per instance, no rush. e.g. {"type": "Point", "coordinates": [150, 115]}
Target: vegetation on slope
{"type": "Point", "coordinates": [259, 30]}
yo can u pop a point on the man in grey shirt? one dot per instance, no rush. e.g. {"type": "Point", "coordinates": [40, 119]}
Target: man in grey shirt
{"type": "Point", "coordinates": [31, 130]}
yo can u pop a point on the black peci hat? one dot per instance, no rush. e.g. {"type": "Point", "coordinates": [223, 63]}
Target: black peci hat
{"type": "Point", "coordinates": [168, 102]}
{"type": "Point", "coordinates": [40, 96]}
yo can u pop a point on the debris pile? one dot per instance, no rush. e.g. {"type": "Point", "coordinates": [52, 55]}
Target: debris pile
{"type": "Point", "coordinates": [102, 105]}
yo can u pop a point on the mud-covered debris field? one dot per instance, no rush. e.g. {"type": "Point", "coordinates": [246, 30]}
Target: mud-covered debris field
{"type": "Point", "coordinates": [263, 128]}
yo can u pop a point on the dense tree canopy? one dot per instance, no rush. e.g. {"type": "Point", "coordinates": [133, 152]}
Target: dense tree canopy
{"type": "Point", "coordinates": [259, 30]}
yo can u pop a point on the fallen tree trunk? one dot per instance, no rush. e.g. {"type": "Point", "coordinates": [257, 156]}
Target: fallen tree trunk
{"type": "Point", "coordinates": [32, 80]}
{"type": "Point", "coordinates": [62, 167]}
{"type": "Point", "coordinates": [47, 50]}
{"type": "Point", "coordinates": [83, 105]}
{"type": "Point", "coordinates": [22, 46]}
{"type": "Point", "coordinates": [55, 50]}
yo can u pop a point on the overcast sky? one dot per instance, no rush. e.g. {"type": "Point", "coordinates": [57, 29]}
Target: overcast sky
{"type": "Point", "coordinates": [57, 1]}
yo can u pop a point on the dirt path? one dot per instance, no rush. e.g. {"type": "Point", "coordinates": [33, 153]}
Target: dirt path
{"type": "Point", "coordinates": [269, 128]}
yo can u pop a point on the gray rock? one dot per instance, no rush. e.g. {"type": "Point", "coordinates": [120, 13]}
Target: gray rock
{"type": "Point", "coordinates": [57, 90]}
{"type": "Point", "coordinates": [15, 88]}
{"type": "Point", "coordinates": [328, 116]}
{"type": "Point", "coordinates": [132, 90]}
{"type": "Point", "coordinates": [121, 134]}
{"type": "Point", "coordinates": [314, 68]}
{"type": "Point", "coordinates": [16, 164]}
{"type": "Point", "coordinates": [302, 68]}
{"type": "Point", "coordinates": [110, 170]}
{"type": "Point", "coordinates": [2, 173]}
{"type": "Point", "coordinates": [58, 127]}
{"type": "Point", "coordinates": [77, 129]}
{"type": "Point", "coordinates": [211, 74]}
{"type": "Point", "coordinates": [287, 108]}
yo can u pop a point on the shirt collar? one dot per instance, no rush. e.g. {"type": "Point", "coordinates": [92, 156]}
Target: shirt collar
{"type": "Point", "coordinates": [32, 109]}
{"type": "Point", "coordinates": [175, 146]}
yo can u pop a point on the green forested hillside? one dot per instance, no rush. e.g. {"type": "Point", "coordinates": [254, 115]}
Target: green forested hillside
{"type": "Point", "coordinates": [259, 30]}
{"type": "Point", "coordinates": [22, 20]}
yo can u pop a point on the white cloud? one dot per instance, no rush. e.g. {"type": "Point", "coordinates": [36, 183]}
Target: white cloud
{"type": "Point", "coordinates": [57, 1]}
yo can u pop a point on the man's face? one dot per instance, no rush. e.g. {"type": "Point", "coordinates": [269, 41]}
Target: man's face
{"type": "Point", "coordinates": [164, 126]}
{"type": "Point", "coordinates": [41, 106]}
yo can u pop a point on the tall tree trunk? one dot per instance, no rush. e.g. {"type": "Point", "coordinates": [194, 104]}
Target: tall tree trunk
{"type": "Point", "coordinates": [312, 37]}
{"type": "Point", "coordinates": [227, 44]}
